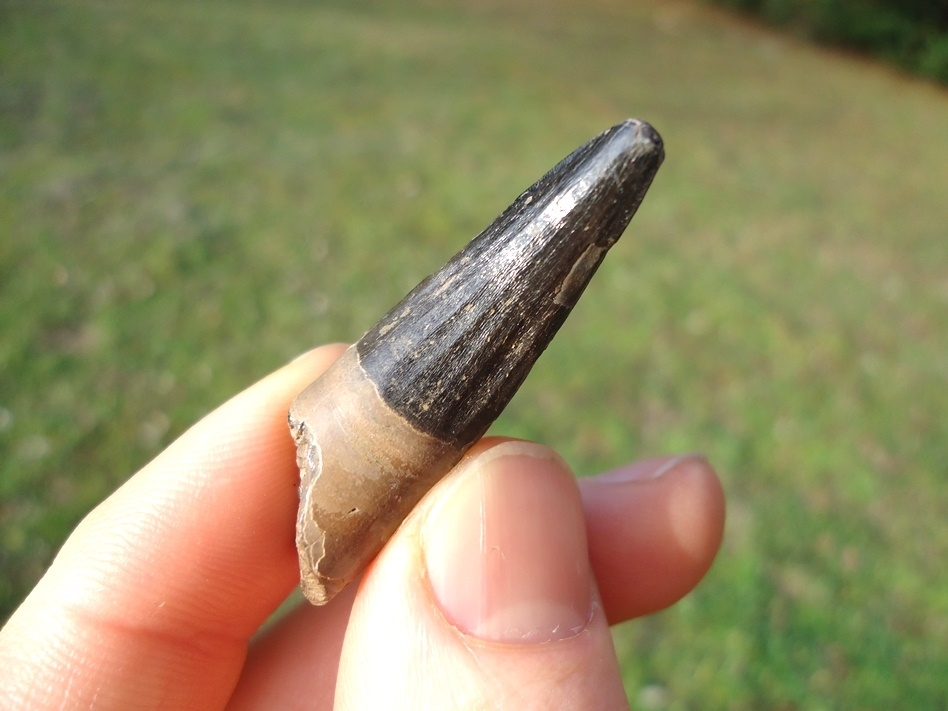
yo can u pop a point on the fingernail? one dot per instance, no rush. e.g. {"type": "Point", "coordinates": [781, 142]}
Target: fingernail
{"type": "Point", "coordinates": [506, 550]}
{"type": "Point", "coordinates": [648, 469]}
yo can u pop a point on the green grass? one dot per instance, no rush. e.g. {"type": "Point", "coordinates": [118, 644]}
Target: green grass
{"type": "Point", "coordinates": [193, 193]}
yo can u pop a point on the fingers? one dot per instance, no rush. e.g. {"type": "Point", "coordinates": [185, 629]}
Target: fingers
{"type": "Point", "coordinates": [485, 598]}
{"type": "Point", "coordinates": [294, 664]}
{"type": "Point", "coordinates": [491, 564]}
{"type": "Point", "coordinates": [654, 528]}
{"type": "Point", "coordinates": [154, 596]}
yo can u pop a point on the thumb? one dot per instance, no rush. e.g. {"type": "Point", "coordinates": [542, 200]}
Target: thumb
{"type": "Point", "coordinates": [485, 597]}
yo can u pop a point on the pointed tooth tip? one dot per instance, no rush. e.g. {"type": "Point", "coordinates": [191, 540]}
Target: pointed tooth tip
{"type": "Point", "coordinates": [641, 135]}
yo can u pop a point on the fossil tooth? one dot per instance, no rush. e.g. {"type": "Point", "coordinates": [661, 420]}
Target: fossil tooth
{"type": "Point", "coordinates": [401, 406]}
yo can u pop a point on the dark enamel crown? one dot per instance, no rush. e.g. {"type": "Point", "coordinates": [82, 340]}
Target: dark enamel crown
{"type": "Point", "coordinates": [452, 353]}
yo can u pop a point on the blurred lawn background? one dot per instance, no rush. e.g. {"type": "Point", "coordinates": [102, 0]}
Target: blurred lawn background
{"type": "Point", "coordinates": [193, 193]}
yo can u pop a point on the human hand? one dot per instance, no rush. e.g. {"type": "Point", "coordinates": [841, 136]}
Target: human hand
{"type": "Point", "coordinates": [486, 597]}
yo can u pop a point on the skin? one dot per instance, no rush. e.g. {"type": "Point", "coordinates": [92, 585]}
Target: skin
{"type": "Point", "coordinates": [157, 598]}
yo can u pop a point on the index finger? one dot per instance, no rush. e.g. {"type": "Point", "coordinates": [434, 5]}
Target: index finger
{"type": "Point", "coordinates": [154, 596]}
